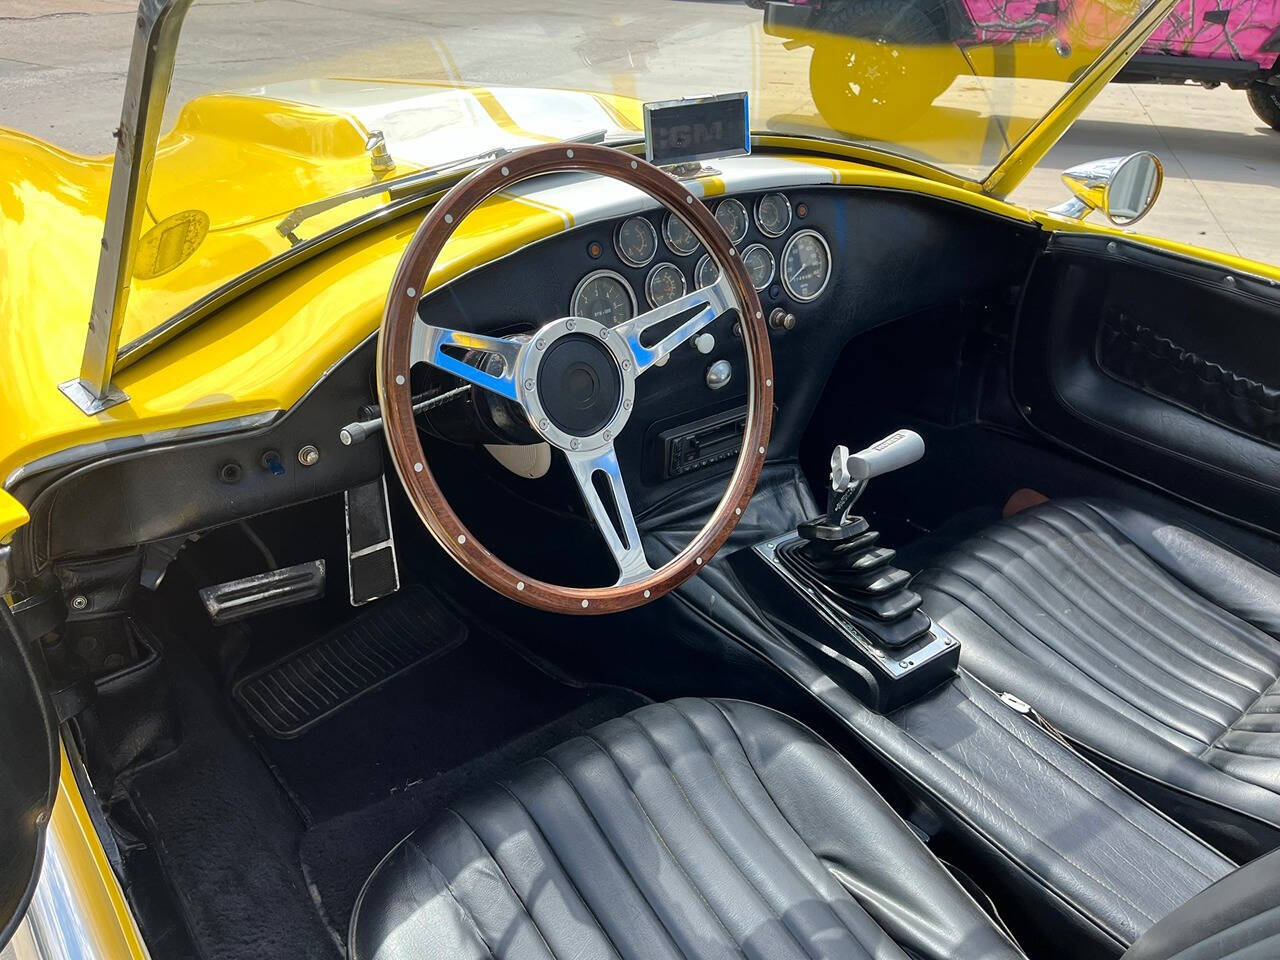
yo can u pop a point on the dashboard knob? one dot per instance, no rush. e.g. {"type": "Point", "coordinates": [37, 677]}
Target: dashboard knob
{"type": "Point", "coordinates": [704, 342]}
{"type": "Point", "coordinates": [776, 317]}
{"type": "Point", "coordinates": [789, 322]}
{"type": "Point", "coordinates": [719, 374]}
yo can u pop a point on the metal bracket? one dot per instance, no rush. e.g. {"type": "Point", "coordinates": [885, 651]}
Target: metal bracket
{"type": "Point", "coordinates": [84, 396]}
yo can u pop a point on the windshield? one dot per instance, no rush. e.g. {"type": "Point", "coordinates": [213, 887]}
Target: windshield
{"type": "Point", "coordinates": [286, 120]}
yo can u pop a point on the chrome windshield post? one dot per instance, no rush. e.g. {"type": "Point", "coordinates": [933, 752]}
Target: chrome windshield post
{"type": "Point", "coordinates": [155, 41]}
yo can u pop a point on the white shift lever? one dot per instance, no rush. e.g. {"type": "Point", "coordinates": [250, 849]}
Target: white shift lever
{"type": "Point", "coordinates": [899, 449]}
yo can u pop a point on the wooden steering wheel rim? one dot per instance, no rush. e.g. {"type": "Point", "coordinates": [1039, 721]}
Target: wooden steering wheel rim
{"type": "Point", "coordinates": [394, 361]}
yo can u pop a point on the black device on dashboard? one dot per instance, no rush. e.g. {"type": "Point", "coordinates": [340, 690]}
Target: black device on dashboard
{"type": "Point", "coordinates": [699, 128]}
{"type": "Point", "coordinates": [695, 445]}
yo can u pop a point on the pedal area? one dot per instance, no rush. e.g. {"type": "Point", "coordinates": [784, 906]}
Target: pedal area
{"type": "Point", "coordinates": [287, 697]}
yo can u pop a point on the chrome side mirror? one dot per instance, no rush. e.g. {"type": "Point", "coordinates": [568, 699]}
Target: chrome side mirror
{"type": "Point", "coordinates": [1123, 188]}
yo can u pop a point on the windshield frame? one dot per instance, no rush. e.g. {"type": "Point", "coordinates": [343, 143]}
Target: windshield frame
{"type": "Point", "coordinates": [151, 65]}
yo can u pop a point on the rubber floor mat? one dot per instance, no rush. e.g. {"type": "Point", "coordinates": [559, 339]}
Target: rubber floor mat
{"type": "Point", "coordinates": [299, 690]}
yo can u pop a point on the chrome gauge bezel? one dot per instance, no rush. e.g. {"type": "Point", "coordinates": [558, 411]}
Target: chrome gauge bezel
{"type": "Point", "coordinates": [783, 265]}
{"type": "Point", "coordinates": [617, 242]}
{"type": "Point", "coordinates": [773, 265]}
{"type": "Point", "coordinates": [760, 221]}
{"type": "Point", "coordinates": [702, 261]}
{"type": "Point", "coordinates": [612, 274]}
{"type": "Point", "coordinates": [648, 283]}
{"type": "Point", "coordinates": [746, 219]}
{"type": "Point", "coordinates": [671, 244]}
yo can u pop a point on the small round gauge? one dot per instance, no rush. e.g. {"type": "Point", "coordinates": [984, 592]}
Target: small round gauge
{"type": "Point", "coordinates": [636, 241]}
{"type": "Point", "coordinates": [760, 265]}
{"type": "Point", "coordinates": [773, 214]}
{"type": "Point", "coordinates": [732, 216]}
{"type": "Point", "coordinates": [806, 265]}
{"type": "Point", "coordinates": [665, 284]}
{"type": "Point", "coordinates": [678, 236]}
{"type": "Point", "coordinates": [604, 297]}
{"type": "Point", "coordinates": [706, 272]}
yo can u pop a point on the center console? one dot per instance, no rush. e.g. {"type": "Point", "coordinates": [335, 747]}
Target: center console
{"type": "Point", "coordinates": [841, 596]}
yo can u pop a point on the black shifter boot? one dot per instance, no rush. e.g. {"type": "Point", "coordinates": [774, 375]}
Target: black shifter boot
{"type": "Point", "coordinates": [844, 562]}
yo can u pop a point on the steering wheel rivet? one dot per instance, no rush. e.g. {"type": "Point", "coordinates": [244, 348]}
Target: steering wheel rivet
{"type": "Point", "coordinates": [529, 384]}
{"type": "Point", "coordinates": [584, 603]}
{"type": "Point", "coordinates": [417, 468]}
{"type": "Point", "coordinates": [737, 511]}
{"type": "Point", "coordinates": [626, 364]}
{"type": "Point", "coordinates": [762, 449]}
{"type": "Point", "coordinates": [461, 539]}
{"type": "Point", "coordinates": [505, 173]}
{"type": "Point", "coordinates": [569, 153]}
{"type": "Point", "coordinates": [448, 218]}
{"type": "Point", "coordinates": [571, 325]}
{"type": "Point", "coordinates": [543, 423]}
{"type": "Point", "coordinates": [399, 379]}
{"type": "Point", "coordinates": [689, 198]}
{"type": "Point", "coordinates": [607, 435]}
{"type": "Point", "coordinates": [626, 404]}
{"type": "Point", "coordinates": [540, 343]}
{"type": "Point", "coordinates": [411, 292]}
{"type": "Point", "coordinates": [575, 443]}
{"type": "Point", "coordinates": [519, 584]}
{"type": "Point", "coordinates": [698, 561]}
{"type": "Point", "coordinates": [646, 593]}
{"type": "Point", "coordinates": [768, 383]}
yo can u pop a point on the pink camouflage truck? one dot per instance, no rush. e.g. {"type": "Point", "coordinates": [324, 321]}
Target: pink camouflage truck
{"type": "Point", "coordinates": [1210, 42]}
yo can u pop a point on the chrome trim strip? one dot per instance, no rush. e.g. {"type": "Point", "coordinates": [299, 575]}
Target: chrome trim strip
{"type": "Point", "coordinates": [74, 456]}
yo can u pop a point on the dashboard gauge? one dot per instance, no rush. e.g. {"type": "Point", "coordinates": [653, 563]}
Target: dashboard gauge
{"type": "Point", "coordinates": [665, 283]}
{"type": "Point", "coordinates": [636, 241]}
{"type": "Point", "coordinates": [604, 297]}
{"type": "Point", "coordinates": [773, 214]}
{"type": "Point", "coordinates": [678, 236]}
{"type": "Point", "coordinates": [732, 217]}
{"type": "Point", "coordinates": [806, 265]}
{"type": "Point", "coordinates": [706, 273]}
{"type": "Point", "coordinates": [760, 265]}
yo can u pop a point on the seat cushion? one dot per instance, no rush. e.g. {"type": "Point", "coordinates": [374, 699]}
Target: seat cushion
{"type": "Point", "coordinates": [698, 828]}
{"type": "Point", "coordinates": [1137, 638]}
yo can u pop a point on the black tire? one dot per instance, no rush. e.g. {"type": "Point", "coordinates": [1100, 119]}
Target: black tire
{"type": "Point", "coordinates": [892, 98]}
{"type": "Point", "coordinates": [1265, 100]}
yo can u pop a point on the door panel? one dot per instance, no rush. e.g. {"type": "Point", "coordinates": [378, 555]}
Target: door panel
{"type": "Point", "coordinates": [28, 773]}
{"type": "Point", "coordinates": [1163, 367]}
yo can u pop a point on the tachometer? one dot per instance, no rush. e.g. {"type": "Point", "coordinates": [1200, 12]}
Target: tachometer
{"type": "Point", "coordinates": [706, 272]}
{"type": "Point", "coordinates": [760, 265]}
{"type": "Point", "coordinates": [665, 284]}
{"type": "Point", "coordinates": [773, 214]}
{"type": "Point", "coordinates": [678, 236]}
{"type": "Point", "coordinates": [732, 216]}
{"type": "Point", "coordinates": [806, 265]}
{"type": "Point", "coordinates": [636, 241]}
{"type": "Point", "coordinates": [604, 297]}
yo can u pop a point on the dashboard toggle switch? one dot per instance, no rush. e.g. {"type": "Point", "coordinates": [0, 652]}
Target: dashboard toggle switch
{"type": "Point", "coordinates": [271, 462]}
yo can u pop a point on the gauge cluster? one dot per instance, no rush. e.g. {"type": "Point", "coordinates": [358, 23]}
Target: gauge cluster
{"type": "Point", "coordinates": [654, 258]}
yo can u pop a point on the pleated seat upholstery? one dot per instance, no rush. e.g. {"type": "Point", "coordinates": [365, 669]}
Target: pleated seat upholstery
{"type": "Point", "coordinates": [694, 829]}
{"type": "Point", "coordinates": [1139, 639]}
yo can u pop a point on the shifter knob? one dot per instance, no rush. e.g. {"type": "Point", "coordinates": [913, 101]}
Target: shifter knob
{"type": "Point", "coordinates": [900, 448]}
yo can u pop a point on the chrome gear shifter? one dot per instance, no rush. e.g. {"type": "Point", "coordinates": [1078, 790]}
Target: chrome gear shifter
{"type": "Point", "coordinates": [851, 472]}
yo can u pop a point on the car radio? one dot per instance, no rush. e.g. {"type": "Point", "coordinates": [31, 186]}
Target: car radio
{"type": "Point", "coordinates": [702, 443]}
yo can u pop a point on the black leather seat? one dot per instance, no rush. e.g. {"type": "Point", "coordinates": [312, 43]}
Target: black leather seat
{"type": "Point", "coordinates": [699, 828]}
{"type": "Point", "coordinates": [1146, 643]}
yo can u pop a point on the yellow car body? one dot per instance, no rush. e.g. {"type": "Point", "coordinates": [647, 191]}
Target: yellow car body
{"type": "Point", "coordinates": [259, 352]}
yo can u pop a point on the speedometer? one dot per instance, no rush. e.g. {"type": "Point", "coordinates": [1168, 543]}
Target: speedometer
{"type": "Point", "coordinates": [604, 297]}
{"type": "Point", "coordinates": [806, 265]}
{"type": "Point", "coordinates": [636, 241]}
{"type": "Point", "coordinates": [678, 236]}
{"type": "Point", "coordinates": [732, 217]}
{"type": "Point", "coordinates": [760, 265]}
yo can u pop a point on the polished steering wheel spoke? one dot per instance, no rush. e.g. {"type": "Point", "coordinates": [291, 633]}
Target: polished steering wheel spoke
{"type": "Point", "coordinates": [618, 527]}
{"type": "Point", "coordinates": [709, 303]}
{"type": "Point", "coordinates": [428, 347]}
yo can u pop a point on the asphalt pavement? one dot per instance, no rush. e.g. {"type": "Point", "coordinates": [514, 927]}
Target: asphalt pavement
{"type": "Point", "coordinates": [62, 68]}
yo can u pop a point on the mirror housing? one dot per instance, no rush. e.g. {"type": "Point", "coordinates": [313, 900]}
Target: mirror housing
{"type": "Point", "coordinates": [1123, 188]}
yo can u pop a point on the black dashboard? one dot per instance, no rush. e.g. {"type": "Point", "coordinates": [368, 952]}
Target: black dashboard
{"type": "Point", "coordinates": [831, 262]}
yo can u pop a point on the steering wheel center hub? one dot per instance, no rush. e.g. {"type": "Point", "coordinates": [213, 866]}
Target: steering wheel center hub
{"type": "Point", "coordinates": [580, 384]}
{"type": "Point", "coordinates": [577, 380]}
